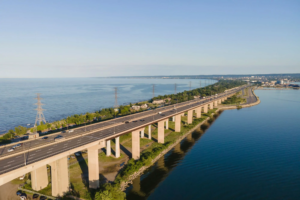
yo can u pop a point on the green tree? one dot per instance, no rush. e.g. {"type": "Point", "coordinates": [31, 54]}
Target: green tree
{"type": "Point", "coordinates": [20, 130]}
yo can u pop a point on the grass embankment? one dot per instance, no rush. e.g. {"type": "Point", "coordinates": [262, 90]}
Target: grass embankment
{"type": "Point", "coordinates": [150, 149]}
{"type": "Point", "coordinates": [234, 100]}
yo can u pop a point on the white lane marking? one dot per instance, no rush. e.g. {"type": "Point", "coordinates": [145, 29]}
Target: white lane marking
{"type": "Point", "coordinates": [49, 152]}
{"type": "Point", "coordinates": [11, 161]}
{"type": "Point", "coordinates": [6, 166]}
{"type": "Point", "coordinates": [32, 154]}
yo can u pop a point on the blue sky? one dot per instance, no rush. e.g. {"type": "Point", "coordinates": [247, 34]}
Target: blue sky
{"type": "Point", "coordinates": [114, 38]}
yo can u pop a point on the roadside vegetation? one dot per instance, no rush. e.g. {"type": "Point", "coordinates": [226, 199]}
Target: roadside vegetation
{"type": "Point", "coordinates": [234, 100]}
{"type": "Point", "coordinates": [109, 113]}
{"type": "Point", "coordinates": [110, 191]}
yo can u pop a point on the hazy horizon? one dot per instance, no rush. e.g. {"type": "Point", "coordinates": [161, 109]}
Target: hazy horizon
{"type": "Point", "coordinates": [100, 38]}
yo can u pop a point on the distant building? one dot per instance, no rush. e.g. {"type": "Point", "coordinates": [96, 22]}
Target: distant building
{"type": "Point", "coordinates": [136, 107]}
{"type": "Point", "coordinates": [144, 106]}
{"type": "Point", "coordinates": [158, 101]}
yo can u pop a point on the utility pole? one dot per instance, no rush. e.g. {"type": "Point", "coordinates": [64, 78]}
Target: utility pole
{"type": "Point", "coordinates": [39, 116]}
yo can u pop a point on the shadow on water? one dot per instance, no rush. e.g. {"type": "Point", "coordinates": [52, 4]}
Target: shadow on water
{"type": "Point", "coordinates": [143, 185]}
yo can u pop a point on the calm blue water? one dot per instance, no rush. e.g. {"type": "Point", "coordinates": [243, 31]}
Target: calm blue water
{"type": "Point", "coordinates": [252, 153]}
{"type": "Point", "coordinates": [63, 97]}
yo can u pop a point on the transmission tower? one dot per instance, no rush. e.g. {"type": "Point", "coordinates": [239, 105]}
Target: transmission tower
{"type": "Point", "coordinates": [116, 98]}
{"type": "Point", "coordinates": [153, 90]}
{"type": "Point", "coordinates": [39, 116]}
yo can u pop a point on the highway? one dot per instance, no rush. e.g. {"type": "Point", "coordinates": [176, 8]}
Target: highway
{"type": "Point", "coordinates": [29, 144]}
{"type": "Point", "coordinates": [11, 162]}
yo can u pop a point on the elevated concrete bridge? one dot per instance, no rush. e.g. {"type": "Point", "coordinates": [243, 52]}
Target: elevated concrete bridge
{"type": "Point", "coordinates": [37, 155]}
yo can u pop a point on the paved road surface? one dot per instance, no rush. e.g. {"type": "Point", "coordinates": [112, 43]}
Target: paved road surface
{"type": "Point", "coordinates": [17, 161]}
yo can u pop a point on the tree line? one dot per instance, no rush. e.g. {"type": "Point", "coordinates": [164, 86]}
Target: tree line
{"type": "Point", "coordinates": [108, 113]}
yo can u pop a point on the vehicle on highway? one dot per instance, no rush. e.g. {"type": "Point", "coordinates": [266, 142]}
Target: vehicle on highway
{"type": "Point", "coordinates": [59, 137]}
{"type": "Point", "coordinates": [142, 120]}
{"type": "Point", "coordinates": [126, 122]}
{"type": "Point", "coordinates": [10, 150]}
{"type": "Point", "coordinates": [78, 153]}
{"type": "Point", "coordinates": [45, 138]}
{"type": "Point", "coordinates": [71, 131]}
{"type": "Point", "coordinates": [22, 177]}
{"type": "Point", "coordinates": [24, 138]}
{"type": "Point", "coordinates": [134, 121]}
{"type": "Point", "coordinates": [35, 196]}
{"type": "Point", "coordinates": [18, 145]}
{"type": "Point", "coordinates": [43, 198]}
{"type": "Point", "coordinates": [159, 112]}
{"type": "Point", "coordinates": [19, 193]}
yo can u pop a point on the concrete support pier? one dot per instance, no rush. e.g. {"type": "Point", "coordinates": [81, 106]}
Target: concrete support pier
{"type": "Point", "coordinates": [190, 117]}
{"type": "Point", "coordinates": [59, 177]}
{"type": "Point", "coordinates": [39, 178]}
{"type": "Point", "coordinates": [117, 149]}
{"type": "Point", "coordinates": [178, 123]}
{"type": "Point", "coordinates": [198, 112]}
{"type": "Point", "coordinates": [160, 132]}
{"type": "Point", "coordinates": [136, 144]}
{"type": "Point", "coordinates": [216, 103]}
{"type": "Point", "coordinates": [205, 108]}
{"type": "Point", "coordinates": [167, 124]}
{"type": "Point", "coordinates": [142, 133]}
{"type": "Point", "coordinates": [219, 101]}
{"type": "Point", "coordinates": [93, 167]}
{"type": "Point", "coordinates": [149, 132]}
{"type": "Point", "coordinates": [173, 119]}
{"type": "Point", "coordinates": [108, 148]}
{"type": "Point", "coordinates": [211, 105]}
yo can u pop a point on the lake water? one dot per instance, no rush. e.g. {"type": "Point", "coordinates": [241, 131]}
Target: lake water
{"type": "Point", "coordinates": [252, 153]}
{"type": "Point", "coordinates": [63, 97]}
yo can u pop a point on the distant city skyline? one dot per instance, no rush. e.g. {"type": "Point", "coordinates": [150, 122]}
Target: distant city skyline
{"type": "Point", "coordinates": [102, 38]}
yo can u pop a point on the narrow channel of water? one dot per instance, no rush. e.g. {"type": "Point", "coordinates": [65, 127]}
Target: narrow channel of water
{"type": "Point", "coordinates": [252, 153]}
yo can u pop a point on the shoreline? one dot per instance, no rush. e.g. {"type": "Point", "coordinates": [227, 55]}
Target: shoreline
{"type": "Point", "coordinates": [129, 181]}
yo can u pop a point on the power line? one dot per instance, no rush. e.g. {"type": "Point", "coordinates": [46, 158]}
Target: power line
{"type": "Point", "coordinates": [39, 116]}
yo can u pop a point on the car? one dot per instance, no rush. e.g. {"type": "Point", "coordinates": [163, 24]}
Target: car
{"type": "Point", "coordinates": [10, 150]}
{"type": "Point", "coordinates": [126, 122]}
{"type": "Point", "coordinates": [35, 196]}
{"type": "Point", "coordinates": [19, 193]}
{"type": "Point", "coordinates": [22, 177]}
{"type": "Point", "coordinates": [71, 131]}
{"type": "Point", "coordinates": [78, 153]}
{"type": "Point", "coordinates": [18, 145]}
{"type": "Point", "coordinates": [59, 137]}
{"type": "Point", "coordinates": [159, 112]}
{"type": "Point", "coordinates": [43, 198]}
{"type": "Point", "coordinates": [142, 120]}
{"type": "Point", "coordinates": [134, 121]}
{"type": "Point", "coordinates": [44, 138]}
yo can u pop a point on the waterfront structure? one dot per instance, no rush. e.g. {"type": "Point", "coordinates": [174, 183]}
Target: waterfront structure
{"type": "Point", "coordinates": [55, 154]}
